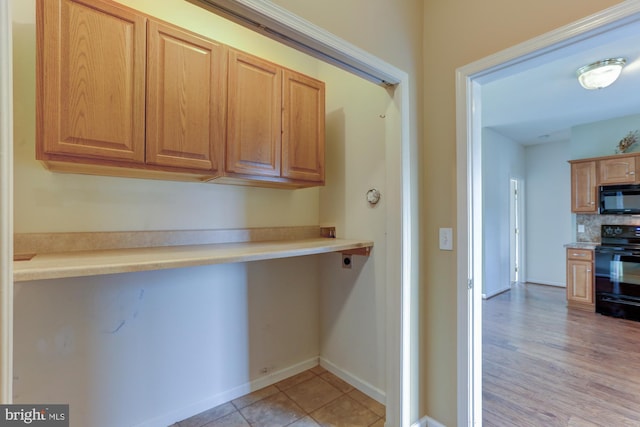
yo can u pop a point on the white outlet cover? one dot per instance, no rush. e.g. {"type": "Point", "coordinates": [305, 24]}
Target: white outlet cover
{"type": "Point", "coordinates": [446, 239]}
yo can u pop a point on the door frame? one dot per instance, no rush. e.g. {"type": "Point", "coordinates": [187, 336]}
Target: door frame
{"type": "Point", "coordinates": [516, 222]}
{"type": "Point", "coordinates": [6, 205]}
{"type": "Point", "coordinates": [469, 80]}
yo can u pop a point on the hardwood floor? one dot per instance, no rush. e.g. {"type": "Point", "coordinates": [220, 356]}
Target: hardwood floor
{"type": "Point", "coordinates": [545, 365]}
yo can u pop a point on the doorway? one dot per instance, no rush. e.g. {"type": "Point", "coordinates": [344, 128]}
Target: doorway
{"type": "Point", "coordinates": [470, 80]}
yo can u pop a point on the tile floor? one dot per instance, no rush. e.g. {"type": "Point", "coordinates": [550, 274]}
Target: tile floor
{"type": "Point", "coordinates": [311, 399]}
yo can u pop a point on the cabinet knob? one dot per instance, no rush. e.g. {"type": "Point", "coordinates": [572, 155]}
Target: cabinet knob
{"type": "Point", "coordinates": [632, 173]}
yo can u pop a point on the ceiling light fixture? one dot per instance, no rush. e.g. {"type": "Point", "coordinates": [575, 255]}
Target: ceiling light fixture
{"type": "Point", "coordinates": [600, 74]}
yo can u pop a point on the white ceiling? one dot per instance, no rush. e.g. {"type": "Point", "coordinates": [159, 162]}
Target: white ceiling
{"type": "Point", "coordinates": [541, 100]}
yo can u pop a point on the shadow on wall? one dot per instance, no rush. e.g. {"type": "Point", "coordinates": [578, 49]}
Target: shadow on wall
{"type": "Point", "coordinates": [333, 194]}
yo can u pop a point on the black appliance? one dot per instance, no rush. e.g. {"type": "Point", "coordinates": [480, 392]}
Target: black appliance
{"type": "Point", "coordinates": [620, 199]}
{"type": "Point", "coordinates": [617, 277]}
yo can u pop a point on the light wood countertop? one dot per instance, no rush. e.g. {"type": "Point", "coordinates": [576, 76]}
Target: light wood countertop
{"type": "Point", "coordinates": [57, 265]}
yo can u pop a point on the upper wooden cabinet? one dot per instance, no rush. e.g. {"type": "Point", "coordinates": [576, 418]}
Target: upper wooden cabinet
{"type": "Point", "coordinates": [618, 170]}
{"type": "Point", "coordinates": [254, 116]}
{"type": "Point", "coordinates": [275, 123]}
{"type": "Point", "coordinates": [583, 187]}
{"type": "Point", "coordinates": [588, 174]}
{"type": "Point", "coordinates": [91, 80]}
{"type": "Point", "coordinates": [122, 93]}
{"type": "Point", "coordinates": [303, 128]}
{"type": "Point", "coordinates": [185, 99]}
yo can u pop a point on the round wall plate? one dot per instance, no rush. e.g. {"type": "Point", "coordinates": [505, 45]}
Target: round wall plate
{"type": "Point", "coordinates": [373, 196]}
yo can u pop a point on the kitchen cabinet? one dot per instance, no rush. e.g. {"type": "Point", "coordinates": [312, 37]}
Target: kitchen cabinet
{"type": "Point", "coordinates": [275, 123]}
{"type": "Point", "coordinates": [123, 94]}
{"type": "Point", "coordinates": [580, 292]}
{"type": "Point", "coordinates": [618, 170]}
{"type": "Point", "coordinates": [303, 128]}
{"type": "Point", "coordinates": [185, 99]}
{"type": "Point", "coordinates": [91, 81]}
{"type": "Point", "coordinates": [584, 187]}
{"type": "Point", "coordinates": [254, 116]}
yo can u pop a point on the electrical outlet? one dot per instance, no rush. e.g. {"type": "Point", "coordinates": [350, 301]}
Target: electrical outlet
{"type": "Point", "coordinates": [446, 239]}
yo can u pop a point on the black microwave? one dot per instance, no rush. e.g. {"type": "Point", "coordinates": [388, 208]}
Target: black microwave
{"type": "Point", "coordinates": [620, 199]}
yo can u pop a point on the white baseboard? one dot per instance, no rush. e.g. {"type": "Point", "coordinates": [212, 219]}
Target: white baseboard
{"type": "Point", "coordinates": [497, 292]}
{"type": "Point", "coordinates": [427, 422]}
{"type": "Point", "coordinates": [228, 395]}
{"type": "Point", "coordinates": [371, 391]}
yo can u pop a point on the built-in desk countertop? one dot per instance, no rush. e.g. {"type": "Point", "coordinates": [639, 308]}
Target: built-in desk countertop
{"type": "Point", "coordinates": [60, 255]}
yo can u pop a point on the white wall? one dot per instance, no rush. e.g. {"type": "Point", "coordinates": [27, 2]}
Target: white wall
{"type": "Point", "coordinates": [123, 349]}
{"type": "Point", "coordinates": [158, 347]}
{"type": "Point", "coordinates": [502, 160]}
{"type": "Point", "coordinates": [601, 138]}
{"type": "Point", "coordinates": [548, 212]}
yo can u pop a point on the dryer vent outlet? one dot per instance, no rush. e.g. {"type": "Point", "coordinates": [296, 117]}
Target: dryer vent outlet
{"type": "Point", "coordinates": [346, 261]}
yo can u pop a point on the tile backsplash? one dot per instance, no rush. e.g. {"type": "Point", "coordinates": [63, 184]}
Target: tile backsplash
{"type": "Point", "coordinates": [593, 222]}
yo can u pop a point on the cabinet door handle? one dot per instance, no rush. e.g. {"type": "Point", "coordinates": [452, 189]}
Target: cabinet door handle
{"type": "Point", "coordinates": [577, 254]}
{"type": "Point", "coordinates": [632, 173]}
{"type": "Point", "coordinates": [588, 271]}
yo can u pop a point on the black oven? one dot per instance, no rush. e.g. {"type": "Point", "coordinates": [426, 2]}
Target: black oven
{"type": "Point", "coordinates": [617, 272]}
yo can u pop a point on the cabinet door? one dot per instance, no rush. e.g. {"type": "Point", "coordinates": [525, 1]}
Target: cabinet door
{"type": "Point", "coordinates": [185, 99]}
{"type": "Point", "coordinates": [253, 116]}
{"type": "Point", "coordinates": [91, 60]}
{"type": "Point", "coordinates": [303, 128]}
{"type": "Point", "coordinates": [579, 282]}
{"type": "Point", "coordinates": [621, 170]}
{"type": "Point", "coordinates": [583, 187]}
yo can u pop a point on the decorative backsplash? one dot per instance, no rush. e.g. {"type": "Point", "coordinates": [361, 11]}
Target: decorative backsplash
{"type": "Point", "coordinates": [592, 225]}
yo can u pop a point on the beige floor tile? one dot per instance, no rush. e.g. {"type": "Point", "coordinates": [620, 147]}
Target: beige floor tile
{"type": "Point", "coordinates": [255, 396]}
{"type": "Point", "coordinates": [336, 382]}
{"type": "Point", "coordinates": [375, 406]}
{"type": "Point", "coordinates": [331, 402]}
{"type": "Point", "coordinates": [207, 416]}
{"type": "Point", "coordinates": [274, 411]}
{"type": "Point", "coordinates": [305, 422]}
{"type": "Point", "coordinates": [296, 379]}
{"type": "Point", "coordinates": [318, 370]}
{"type": "Point", "coordinates": [312, 394]}
{"type": "Point", "coordinates": [344, 412]}
{"type": "Point", "coordinates": [234, 419]}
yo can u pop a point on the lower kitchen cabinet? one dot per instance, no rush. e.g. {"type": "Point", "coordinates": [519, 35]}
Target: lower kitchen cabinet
{"type": "Point", "coordinates": [580, 292]}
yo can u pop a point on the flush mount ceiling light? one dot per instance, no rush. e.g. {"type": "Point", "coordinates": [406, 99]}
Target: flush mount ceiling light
{"type": "Point", "coordinates": [600, 74]}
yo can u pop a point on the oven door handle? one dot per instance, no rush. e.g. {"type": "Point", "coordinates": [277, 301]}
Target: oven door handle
{"type": "Point", "coordinates": [620, 301]}
{"type": "Point", "coordinates": [618, 252]}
